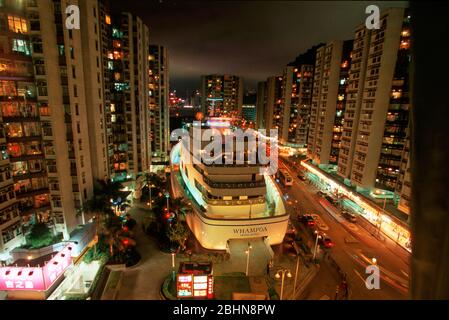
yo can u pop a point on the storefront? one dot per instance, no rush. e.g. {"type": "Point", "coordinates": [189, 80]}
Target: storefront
{"type": "Point", "coordinates": [390, 226]}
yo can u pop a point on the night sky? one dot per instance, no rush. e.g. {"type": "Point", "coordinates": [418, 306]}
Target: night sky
{"type": "Point", "coordinates": [253, 39]}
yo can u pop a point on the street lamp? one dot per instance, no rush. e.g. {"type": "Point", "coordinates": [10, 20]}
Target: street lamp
{"type": "Point", "coordinates": [151, 198]}
{"type": "Point", "coordinates": [316, 244]}
{"type": "Point", "coordinates": [296, 275]}
{"type": "Point", "coordinates": [167, 196]}
{"type": "Point", "coordinates": [247, 251]}
{"type": "Point", "coordinates": [280, 274]}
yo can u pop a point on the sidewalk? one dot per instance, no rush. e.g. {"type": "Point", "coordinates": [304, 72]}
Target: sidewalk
{"type": "Point", "coordinates": [143, 281]}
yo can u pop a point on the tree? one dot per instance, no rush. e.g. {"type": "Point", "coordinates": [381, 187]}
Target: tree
{"type": "Point", "coordinates": [178, 233]}
{"type": "Point", "coordinates": [107, 192]}
{"type": "Point", "coordinates": [40, 236]}
{"type": "Point", "coordinates": [180, 207]}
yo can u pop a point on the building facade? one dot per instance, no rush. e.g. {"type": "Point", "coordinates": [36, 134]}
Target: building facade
{"type": "Point", "coordinates": [232, 201]}
{"type": "Point", "coordinates": [74, 108]}
{"type": "Point", "coordinates": [328, 102]}
{"type": "Point", "coordinates": [159, 104]}
{"type": "Point", "coordinates": [222, 95]}
{"type": "Point", "coordinates": [377, 109]}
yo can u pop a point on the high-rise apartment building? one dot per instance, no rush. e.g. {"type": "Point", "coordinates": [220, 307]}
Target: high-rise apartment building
{"type": "Point", "coordinates": [377, 108]}
{"type": "Point", "coordinates": [222, 95]}
{"type": "Point", "coordinates": [249, 107]}
{"type": "Point", "coordinates": [23, 175]}
{"type": "Point", "coordinates": [296, 102]}
{"type": "Point", "coordinates": [73, 108]}
{"type": "Point", "coordinates": [127, 62]}
{"type": "Point", "coordinates": [269, 98]}
{"type": "Point", "coordinates": [328, 102]}
{"type": "Point", "coordinates": [159, 104]}
{"type": "Point", "coordinates": [261, 101]}
{"type": "Point", "coordinates": [376, 115]}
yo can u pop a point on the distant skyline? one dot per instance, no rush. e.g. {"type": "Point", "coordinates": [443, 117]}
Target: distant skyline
{"type": "Point", "coordinates": [251, 39]}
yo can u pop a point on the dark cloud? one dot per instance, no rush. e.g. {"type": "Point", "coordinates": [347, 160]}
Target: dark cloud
{"type": "Point", "coordinates": [254, 39]}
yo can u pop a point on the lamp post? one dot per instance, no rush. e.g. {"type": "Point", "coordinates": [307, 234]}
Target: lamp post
{"type": "Point", "coordinates": [281, 274]}
{"type": "Point", "coordinates": [173, 265]}
{"type": "Point", "coordinates": [167, 196]}
{"type": "Point", "coordinates": [316, 244]}
{"type": "Point", "coordinates": [296, 276]}
{"type": "Point", "coordinates": [151, 186]}
{"type": "Point", "coordinates": [247, 251]}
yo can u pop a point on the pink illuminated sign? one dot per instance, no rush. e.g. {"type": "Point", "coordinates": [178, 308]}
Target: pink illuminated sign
{"type": "Point", "coordinates": [16, 278]}
{"type": "Point", "coordinates": [36, 278]}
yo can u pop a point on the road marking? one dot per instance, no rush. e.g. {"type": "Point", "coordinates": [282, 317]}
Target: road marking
{"type": "Point", "coordinates": [360, 276]}
{"type": "Point", "coordinates": [404, 273]}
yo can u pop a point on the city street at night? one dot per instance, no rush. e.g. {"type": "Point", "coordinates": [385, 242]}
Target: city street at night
{"type": "Point", "coordinates": [353, 249]}
{"type": "Point", "coordinates": [223, 159]}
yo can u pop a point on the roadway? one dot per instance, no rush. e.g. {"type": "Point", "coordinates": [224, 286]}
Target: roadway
{"type": "Point", "coordinates": [354, 245]}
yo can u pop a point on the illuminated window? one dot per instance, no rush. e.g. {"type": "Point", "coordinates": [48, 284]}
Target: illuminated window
{"type": "Point", "coordinates": [17, 24]}
{"type": "Point", "coordinates": [405, 45]}
{"type": "Point", "coordinates": [19, 45]}
{"type": "Point", "coordinates": [117, 55]}
{"type": "Point", "coordinates": [396, 94]}
{"type": "Point", "coordinates": [120, 86]}
{"type": "Point", "coordinates": [116, 33]}
{"type": "Point", "coordinates": [108, 19]}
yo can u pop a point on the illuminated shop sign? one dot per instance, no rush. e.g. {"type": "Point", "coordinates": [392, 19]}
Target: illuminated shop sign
{"type": "Point", "coordinates": [36, 278]}
{"type": "Point", "coordinates": [196, 286]}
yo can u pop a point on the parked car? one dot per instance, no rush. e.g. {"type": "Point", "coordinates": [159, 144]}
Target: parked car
{"type": "Point", "coordinates": [301, 176]}
{"type": "Point", "coordinates": [307, 220]}
{"type": "Point", "coordinates": [321, 194]}
{"type": "Point", "coordinates": [349, 216]}
{"type": "Point", "coordinates": [291, 228]}
{"type": "Point", "coordinates": [331, 199]}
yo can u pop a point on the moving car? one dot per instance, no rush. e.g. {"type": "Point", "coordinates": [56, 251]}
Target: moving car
{"type": "Point", "coordinates": [307, 219]}
{"type": "Point", "coordinates": [325, 241]}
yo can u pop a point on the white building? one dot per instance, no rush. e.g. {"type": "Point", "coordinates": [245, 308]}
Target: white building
{"type": "Point", "coordinates": [230, 201]}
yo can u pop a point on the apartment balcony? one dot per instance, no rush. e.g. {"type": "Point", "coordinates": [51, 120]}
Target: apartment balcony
{"type": "Point", "coordinates": [36, 137]}
{"type": "Point", "coordinates": [21, 118]}
{"type": "Point", "coordinates": [29, 210]}
{"type": "Point", "coordinates": [25, 157]}
{"type": "Point", "coordinates": [30, 192]}
{"type": "Point", "coordinates": [29, 175]}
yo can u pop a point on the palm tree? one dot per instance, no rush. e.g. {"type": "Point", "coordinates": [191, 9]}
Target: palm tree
{"type": "Point", "coordinates": [153, 181]}
{"type": "Point", "coordinates": [180, 207]}
{"type": "Point", "coordinates": [107, 223]}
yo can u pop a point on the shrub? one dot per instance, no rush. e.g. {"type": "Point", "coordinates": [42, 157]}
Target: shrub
{"type": "Point", "coordinates": [40, 236]}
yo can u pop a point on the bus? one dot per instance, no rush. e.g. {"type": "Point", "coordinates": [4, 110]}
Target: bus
{"type": "Point", "coordinates": [285, 178]}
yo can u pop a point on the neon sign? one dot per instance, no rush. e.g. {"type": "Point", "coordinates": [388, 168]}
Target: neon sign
{"type": "Point", "coordinates": [197, 286]}
{"type": "Point", "coordinates": [36, 278]}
